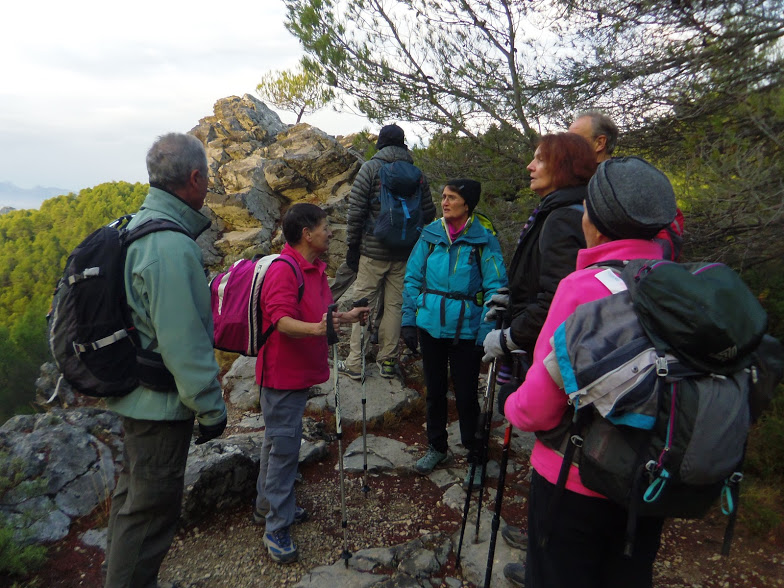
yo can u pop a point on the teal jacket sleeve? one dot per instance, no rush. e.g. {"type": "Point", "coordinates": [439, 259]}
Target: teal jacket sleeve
{"type": "Point", "coordinates": [493, 277]}
{"type": "Point", "coordinates": [412, 284]}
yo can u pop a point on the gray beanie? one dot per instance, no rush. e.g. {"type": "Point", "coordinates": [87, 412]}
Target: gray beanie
{"type": "Point", "coordinates": [628, 198]}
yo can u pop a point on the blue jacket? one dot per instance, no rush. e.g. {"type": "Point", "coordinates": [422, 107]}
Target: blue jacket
{"type": "Point", "coordinates": [443, 280]}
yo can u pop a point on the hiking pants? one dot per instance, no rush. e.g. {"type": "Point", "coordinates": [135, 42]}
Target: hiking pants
{"type": "Point", "coordinates": [282, 410]}
{"type": "Point", "coordinates": [440, 357]}
{"type": "Point", "coordinates": [585, 548]}
{"type": "Point", "coordinates": [373, 278]}
{"type": "Point", "coordinates": [147, 501]}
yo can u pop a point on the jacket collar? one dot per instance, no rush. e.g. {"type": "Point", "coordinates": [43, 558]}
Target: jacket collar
{"type": "Point", "coordinates": [317, 264]}
{"type": "Point", "coordinates": [563, 197]}
{"type": "Point", "coordinates": [436, 232]}
{"type": "Point", "coordinates": [169, 205]}
{"type": "Point", "coordinates": [620, 250]}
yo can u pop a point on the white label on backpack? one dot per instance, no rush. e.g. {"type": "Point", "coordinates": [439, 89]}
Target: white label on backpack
{"type": "Point", "coordinates": [611, 280]}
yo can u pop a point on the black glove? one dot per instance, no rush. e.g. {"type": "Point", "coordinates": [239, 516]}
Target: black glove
{"type": "Point", "coordinates": [410, 337]}
{"type": "Point", "coordinates": [505, 392]}
{"type": "Point", "coordinates": [207, 432]}
{"type": "Point", "coordinates": [352, 258]}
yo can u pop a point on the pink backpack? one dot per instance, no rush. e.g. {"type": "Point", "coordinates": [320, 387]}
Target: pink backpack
{"type": "Point", "coordinates": [236, 307]}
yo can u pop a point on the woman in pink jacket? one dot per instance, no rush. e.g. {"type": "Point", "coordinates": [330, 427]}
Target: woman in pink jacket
{"type": "Point", "coordinates": [628, 202]}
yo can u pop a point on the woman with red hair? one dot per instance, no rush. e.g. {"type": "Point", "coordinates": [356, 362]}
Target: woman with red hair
{"type": "Point", "coordinates": [546, 253]}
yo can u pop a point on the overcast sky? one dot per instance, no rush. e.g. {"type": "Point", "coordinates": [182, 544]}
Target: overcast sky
{"type": "Point", "coordinates": [87, 85]}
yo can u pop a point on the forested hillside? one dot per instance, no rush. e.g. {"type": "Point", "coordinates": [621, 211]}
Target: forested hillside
{"type": "Point", "coordinates": [34, 245]}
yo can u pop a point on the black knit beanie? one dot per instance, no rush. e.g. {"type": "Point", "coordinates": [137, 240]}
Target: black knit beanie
{"type": "Point", "coordinates": [468, 189]}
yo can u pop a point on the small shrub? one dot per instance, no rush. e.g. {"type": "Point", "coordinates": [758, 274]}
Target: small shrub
{"type": "Point", "coordinates": [765, 451]}
{"type": "Point", "coordinates": [18, 560]}
{"type": "Point", "coordinates": [761, 508]}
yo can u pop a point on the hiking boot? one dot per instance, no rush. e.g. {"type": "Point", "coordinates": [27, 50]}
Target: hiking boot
{"type": "Point", "coordinates": [344, 370]}
{"type": "Point", "coordinates": [515, 537]}
{"type": "Point", "coordinates": [477, 479]}
{"type": "Point", "coordinates": [280, 546]}
{"type": "Point", "coordinates": [430, 460]}
{"type": "Point", "coordinates": [515, 574]}
{"type": "Point", "coordinates": [260, 515]}
{"type": "Point", "coordinates": [387, 368]}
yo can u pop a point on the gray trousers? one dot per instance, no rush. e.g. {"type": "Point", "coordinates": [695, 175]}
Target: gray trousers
{"type": "Point", "coordinates": [283, 411]}
{"type": "Point", "coordinates": [147, 501]}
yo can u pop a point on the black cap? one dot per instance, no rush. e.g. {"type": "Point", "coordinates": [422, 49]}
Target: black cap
{"type": "Point", "coordinates": [391, 135]}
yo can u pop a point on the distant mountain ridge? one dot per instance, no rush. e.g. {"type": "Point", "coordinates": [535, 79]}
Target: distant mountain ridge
{"type": "Point", "coordinates": [18, 198]}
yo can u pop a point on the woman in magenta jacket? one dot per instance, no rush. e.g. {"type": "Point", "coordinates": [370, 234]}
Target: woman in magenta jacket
{"type": "Point", "coordinates": [628, 202]}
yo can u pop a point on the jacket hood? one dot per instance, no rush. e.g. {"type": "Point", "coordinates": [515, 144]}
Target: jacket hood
{"type": "Point", "coordinates": [392, 153]}
{"type": "Point", "coordinates": [563, 197]}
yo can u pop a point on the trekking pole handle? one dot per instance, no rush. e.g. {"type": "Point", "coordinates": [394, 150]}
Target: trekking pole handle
{"type": "Point", "coordinates": [357, 304]}
{"type": "Point", "coordinates": [332, 335]}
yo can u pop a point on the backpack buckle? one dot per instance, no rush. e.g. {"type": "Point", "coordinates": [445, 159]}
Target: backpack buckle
{"type": "Point", "coordinates": [576, 440]}
{"type": "Point", "coordinates": [735, 478]}
{"type": "Point", "coordinates": [661, 366]}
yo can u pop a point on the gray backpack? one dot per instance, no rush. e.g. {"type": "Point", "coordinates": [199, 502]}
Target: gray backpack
{"type": "Point", "coordinates": [654, 428]}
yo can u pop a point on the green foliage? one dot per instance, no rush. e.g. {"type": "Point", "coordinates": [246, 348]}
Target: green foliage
{"type": "Point", "coordinates": [765, 451]}
{"type": "Point", "coordinates": [762, 496]}
{"type": "Point", "coordinates": [16, 559]}
{"type": "Point", "coordinates": [34, 245]}
{"type": "Point", "coordinates": [301, 91]}
{"type": "Point", "coordinates": [728, 171]}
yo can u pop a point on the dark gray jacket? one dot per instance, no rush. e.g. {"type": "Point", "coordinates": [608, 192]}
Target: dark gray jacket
{"type": "Point", "coordinates": [364, 206]}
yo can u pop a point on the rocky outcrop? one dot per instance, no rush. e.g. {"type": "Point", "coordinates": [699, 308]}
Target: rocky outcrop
{"type": "Point", "coordinates": [258, 167]}
{"type": "Point", "coordinates": [60, 466]}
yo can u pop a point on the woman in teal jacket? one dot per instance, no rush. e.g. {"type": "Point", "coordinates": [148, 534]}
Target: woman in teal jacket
{"type": "Point", "coordinates": [454, 267]}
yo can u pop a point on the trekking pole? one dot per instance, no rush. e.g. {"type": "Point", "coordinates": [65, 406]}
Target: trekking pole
{"type": "Point", "coordinates": [499, 496]}
{"type": "Point", "coordinates": [484, 424]}
{"type": "Point", "coordinates": [332, 339]}
{"type": "Point", "coordinates": [515, 381]}
{"type": "Point", "coordinates": [365, 487]}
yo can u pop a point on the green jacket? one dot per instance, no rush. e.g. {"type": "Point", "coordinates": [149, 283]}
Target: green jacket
{"type": "Point", "coordinates": [169, 298]}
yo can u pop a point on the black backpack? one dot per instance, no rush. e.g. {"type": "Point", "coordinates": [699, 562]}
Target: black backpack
{"type": "Point", "coordinates": [91, 336]}
{"type": "Point", "coordinates": [665, 376]}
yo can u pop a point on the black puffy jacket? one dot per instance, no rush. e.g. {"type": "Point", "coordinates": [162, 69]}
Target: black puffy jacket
{"type": "Point", "coordinates": [364, 206]}
{"type": "Point", "coordinates": [545, 255]}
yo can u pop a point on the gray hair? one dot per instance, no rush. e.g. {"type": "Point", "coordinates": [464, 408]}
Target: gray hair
{"type": "Point", "coordinates": [172, 158]}
{"type": "Point", "coordinates": [602, 125]}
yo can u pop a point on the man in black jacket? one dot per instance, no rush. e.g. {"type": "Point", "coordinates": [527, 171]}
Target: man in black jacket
{"type": "Point", "coordinates": [379, 267]}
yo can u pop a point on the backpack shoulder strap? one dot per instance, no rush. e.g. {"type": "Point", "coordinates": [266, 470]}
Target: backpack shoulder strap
{"type": "Point", "coordinates": [297, 272]}
{"type": "Point", "coordinates": [292, 263]}
{"type": "Point", "coordinates": [151, 226]}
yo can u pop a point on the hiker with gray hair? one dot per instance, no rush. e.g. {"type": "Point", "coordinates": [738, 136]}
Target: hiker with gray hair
{"type": "Point", "coordinates": [627, 204]}
{"type": "Point", "coordinates": [169, 302]}
{"type": "Point", "coordinates": [599, 130]}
